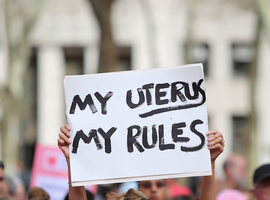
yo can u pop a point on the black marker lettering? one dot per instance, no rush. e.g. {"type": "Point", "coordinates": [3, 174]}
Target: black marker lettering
{"type": "Point", "coordinates": [131, 140]}
{"type": "Point", "coordinates": [162, 145]}
{"type": "Point", "coordinates": [129, 98]}
{"type": "Point", "coordinates": [201, 136]}
{"type": "Point", "coordinates": [103, 101]}
{"type": "Point", "coordinates": [107, 138]}
{"type": "Point", "coordinates": [195, 87]}
{"type": "Point", "coordinates": [145, 140]}
{"type": "Point", "coordinates": [176, 92]}
{"type": "Point", "coordinates": [177, 131]}
{"type": "Point", "coordinates": [82, 105]}
{"type": "Point", "coordinates": [180, 107]}
{"type": "Point", "coordinates": [86, 139]}
{"type": "Point", "coordinates": [160, 94]}
{"type": "Point", "coordinates": [147, 88]}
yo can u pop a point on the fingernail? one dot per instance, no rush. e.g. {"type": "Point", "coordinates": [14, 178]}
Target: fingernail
{"type": "Point", "coordinates": [69, 141]}
{"type": "Point", "coordinates": [68, 127]}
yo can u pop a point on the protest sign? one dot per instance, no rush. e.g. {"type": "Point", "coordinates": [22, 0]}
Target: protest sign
{"type": "Point", "coordinates": [50, 172]}
{"type": "Point", "coordinates": [137, 125]}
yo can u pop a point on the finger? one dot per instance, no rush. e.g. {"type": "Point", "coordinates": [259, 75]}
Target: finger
{"type": "Point", "coordinates": [64, 138]}
{"type": "Point", "coordinates": [211, 132]}
{"type": "Point", "coordinates": [221, 148]}
{"type": "Point", "coordinates": [216, 144]}
{"type": "Point", "coordinates": [68, 127]}
{"type": "Point", "coordinates": [65, 128]}
{"type": "Point", "coordinates": [215, 141]}
{"type": "Point", "coordinates": [61, 142]}
{"type": "Point", "coordinates": [219, 139]}
{"type": "Point", "coordinates": [216, 147]}
{"type": "Point", "coordinates": [222, 142]}
{"type": "Point", "coordinates": [213, 135]}
{"type": "Point", "coordinates": [65, 131]}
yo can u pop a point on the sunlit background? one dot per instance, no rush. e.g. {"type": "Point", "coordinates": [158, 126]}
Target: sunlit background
{"type": "Point", "coordinates": [41, 41]}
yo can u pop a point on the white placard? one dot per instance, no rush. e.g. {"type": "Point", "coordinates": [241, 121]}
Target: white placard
{"type": "Point", "coordinates": [137, 125]}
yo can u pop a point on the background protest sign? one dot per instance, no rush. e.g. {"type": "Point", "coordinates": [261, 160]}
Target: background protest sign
{"type": "Point", "coordinates": [137, 125]}
{"type": "Point", "coordinates": [50, 172]}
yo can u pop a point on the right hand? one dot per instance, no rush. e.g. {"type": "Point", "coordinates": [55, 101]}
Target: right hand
{"type": "Point", "coordinates": [64, 141]}
{"type": "Point", "coordinates": [216, 143]}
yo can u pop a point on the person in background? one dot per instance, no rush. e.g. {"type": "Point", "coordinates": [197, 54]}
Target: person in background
{"type": "Point", "coordinates": [176, 189]}
{"type": "Point", "coordinates": [6, 198]}
{"type": "Point", "coordinates": [37, 193]}
{"type": "Point", "coordinates": [11, 187]}
{"type": "Point", "coordinates": [261, 182]}
{"type": "Point", "coordinates": [236, 178]}
{"type": "Point", "coordinates": [154, 189]}
{"type": "Point", "coordinates": [231, 194]}
{"type": "Point", "coordinates": [89, 195]}
{"type": "Point", "coordinates": [3, 185]}
{"type": "Point", "coordinates": [216, 145]}
{"type": "Point", "coordinates": [15, 188]}
{"type": "Point", "coordinates": [20, 189]}
{"type": "Point", "coordinates": [161, 189]}
{"type": "Point", "coordinates": [131, 194]}
{"type": "Point", "coordinates": [236, 172]}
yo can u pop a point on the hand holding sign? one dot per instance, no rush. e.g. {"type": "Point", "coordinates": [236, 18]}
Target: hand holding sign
{"type": "Point", "coordinates": [64, 141]}
{"type": "Point", "coordinates": [216, 143]}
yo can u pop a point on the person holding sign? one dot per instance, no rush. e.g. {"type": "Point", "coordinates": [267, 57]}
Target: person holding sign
{"type": "Point", "coordinates": [216, 145]}
{"type": "Point", "coordinates": [131, 194]}
{"type": "Point", "coordinates": [154, 189]}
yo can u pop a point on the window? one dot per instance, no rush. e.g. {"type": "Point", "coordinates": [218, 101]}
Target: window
{"type": "Point", "coordinates": [74, 60]}
{"type": "Point", "coordinates": [124, 59]}
{"type": "Point", "coordinates": [199, 53]}
{"type": "Point", "coordinates": [242, 55]}
{"type": "Point", "coordinates": [240, 134]}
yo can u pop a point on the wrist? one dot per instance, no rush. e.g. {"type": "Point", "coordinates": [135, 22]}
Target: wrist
{"type": "Point", "coordinates": [67, 160]}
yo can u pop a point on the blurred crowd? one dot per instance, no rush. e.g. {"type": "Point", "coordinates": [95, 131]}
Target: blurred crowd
{"type": "Point", "coordinates": [232, 186]}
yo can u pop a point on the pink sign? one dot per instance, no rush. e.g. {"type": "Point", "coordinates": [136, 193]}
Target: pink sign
{"type": "Point", "coordinates": [50, 172]}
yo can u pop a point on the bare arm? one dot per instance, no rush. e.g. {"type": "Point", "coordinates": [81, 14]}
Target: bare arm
{"type": "Point", "coordinates": [216, 145]}
{"type": "Point", "coordinates": [75, 193]}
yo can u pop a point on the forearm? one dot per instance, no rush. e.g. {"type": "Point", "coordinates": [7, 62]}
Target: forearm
{"type": "Point", "coordinates": [208, 191]}
{"type": "Point", "coordinates": [75, 193]}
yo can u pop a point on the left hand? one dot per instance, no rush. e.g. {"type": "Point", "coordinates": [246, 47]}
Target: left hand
{"type": "Point", "coordinates": [216, 143]}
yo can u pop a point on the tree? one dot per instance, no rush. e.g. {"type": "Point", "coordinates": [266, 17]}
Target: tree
{"type": "Point", "coordinates": [19, 19]}
{"type": "Point", "coordinates": [107, 48]}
